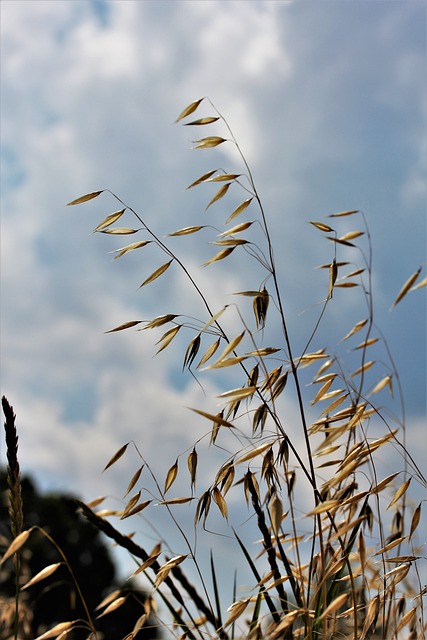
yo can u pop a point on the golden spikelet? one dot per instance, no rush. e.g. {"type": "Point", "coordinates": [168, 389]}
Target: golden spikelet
{"type": "Point", "coordinates": [13, 471]}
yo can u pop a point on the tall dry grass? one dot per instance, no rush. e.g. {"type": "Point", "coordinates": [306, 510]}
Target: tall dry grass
{"type": "Point", "coordinates": [16, 616]}
{"type": "Point", "coordinates": [338, 551]}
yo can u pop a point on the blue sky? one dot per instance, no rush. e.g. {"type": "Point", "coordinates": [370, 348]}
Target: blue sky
{"type": "Point", "coordinates": [328, 101]}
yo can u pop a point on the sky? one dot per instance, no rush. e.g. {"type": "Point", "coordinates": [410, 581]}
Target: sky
{"type": "Point", "coordinates": [328, 103]}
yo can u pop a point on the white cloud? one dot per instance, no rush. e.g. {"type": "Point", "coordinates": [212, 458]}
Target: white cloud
{"type": "Point", "coordinates": [247, 41]}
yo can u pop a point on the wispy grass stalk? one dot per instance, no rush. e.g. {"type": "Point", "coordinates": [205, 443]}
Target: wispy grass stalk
{"type": "Point", "coordinates": [321, 585]}
{"type": "Point", "coordinates": [16, 515]}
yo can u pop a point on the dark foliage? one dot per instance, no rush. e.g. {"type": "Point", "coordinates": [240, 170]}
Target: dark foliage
{"type": "Point", "coordinates": [55, 599]}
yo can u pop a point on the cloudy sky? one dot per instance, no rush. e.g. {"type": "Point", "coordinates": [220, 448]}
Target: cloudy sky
{"type": "Point", "coordinates": [328, 102]}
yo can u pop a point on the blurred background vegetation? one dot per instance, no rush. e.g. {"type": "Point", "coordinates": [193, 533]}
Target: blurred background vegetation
{"type": "Point", "coordinates": [54, 599]}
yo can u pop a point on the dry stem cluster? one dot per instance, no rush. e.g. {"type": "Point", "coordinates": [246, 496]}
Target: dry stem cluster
{"type": "Point", "coordinates": [348, 567]}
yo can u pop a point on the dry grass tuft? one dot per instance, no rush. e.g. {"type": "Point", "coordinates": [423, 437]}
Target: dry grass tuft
{"type": "Point", "coordinates": [338, 548]}
{"type": "Point", "coordinates": [347, 566]}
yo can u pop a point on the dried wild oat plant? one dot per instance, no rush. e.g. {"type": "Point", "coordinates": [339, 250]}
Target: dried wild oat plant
{"type": "Point", "coordinates": [349, 565]}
